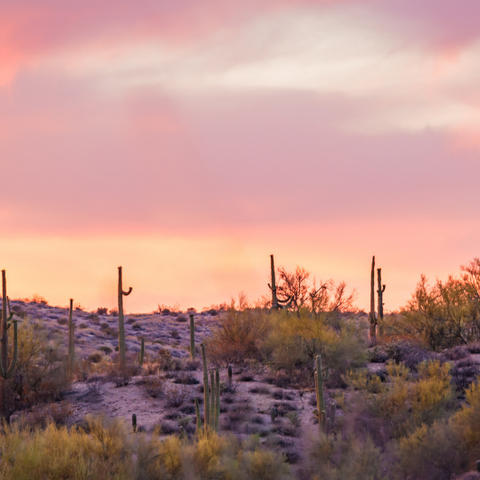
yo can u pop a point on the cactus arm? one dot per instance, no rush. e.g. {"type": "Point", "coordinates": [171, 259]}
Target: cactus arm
{"type": "Point", "coordinates": [125, 294]}
{"type": "Point", "coordinates": [206, 396]}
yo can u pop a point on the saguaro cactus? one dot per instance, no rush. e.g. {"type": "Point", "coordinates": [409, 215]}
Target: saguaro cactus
{"type": "Point", "coordinates": [71, 341]}
{"type": "Point", "coordinates": [121, 324]}
{"type": "Point", "coordinates": [206, 396]}
{"type": "Point", "coordinates": [197, 413]}
{"type": "Point", "coordinates": [217, 400]}
{"type": "Point", "coordinates": [373, 319]}
{"type": "Point", "coordinates": [134, 422]}
{"type": "Point", "coordinates": [320, 376]}
{"type": "Point", "coordinates": [6, 372]}
{"type": "Point", "coordinates": [192, 336]}
{"type": "Point", "coordinates": [276, 303]}
{"type": "Point", "coordinates": [141, 353]}
{"type": "Point", "coordinates": [381, 289]}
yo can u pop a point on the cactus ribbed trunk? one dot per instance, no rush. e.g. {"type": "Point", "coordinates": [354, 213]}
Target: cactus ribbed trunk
{"type": "Point", "coordinates": [6, 372]}
{"type": "Point", "coordinates": [121, 323]}
{"type": "Point", "coordinates": [373, 320]}
{"type": "Point", "coordinates": [141, 353]}
{"type": "Point", "coordinates": [206, 396]}
{"type": "Point", "coordinates": [192, 336]}
{"type": "Point", "coordinates": [322, 418]}
{"type": "Point", "coordinates": [212, 401]}
{"type": "Point", "coordinates": [217, 400]}
{"type": "Point", "coordinates": [197, 413]}
{"type": "Point", "coordinates": [4, 407]}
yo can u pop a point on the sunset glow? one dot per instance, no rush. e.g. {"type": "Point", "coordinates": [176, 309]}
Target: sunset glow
{"type": "Point", "coordinates": [187, 141]}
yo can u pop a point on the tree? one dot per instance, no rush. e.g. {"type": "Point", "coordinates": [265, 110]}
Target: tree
{"type": "Point", "coordinates": [322, 297]}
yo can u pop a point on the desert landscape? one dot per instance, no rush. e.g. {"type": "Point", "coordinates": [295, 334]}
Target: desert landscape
{"type": "Point", "coordinates": [397, 393]}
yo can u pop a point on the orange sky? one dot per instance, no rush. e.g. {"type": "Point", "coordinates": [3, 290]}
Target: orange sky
{"type": "Point", "coordinates": [187, 144]}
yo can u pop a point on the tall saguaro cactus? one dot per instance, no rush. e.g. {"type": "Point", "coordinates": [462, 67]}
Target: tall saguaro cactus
{"type": "Point", "coordinates": [206, 396]}
{"type": "Point", "coordinates": [373, 319]}
{"type": "Point", "coordinates": [380, 290]}
{"type": "Point", "coordinates": [121, 324]}
{"type": "Point", "coordinates": [276, 303]}
{"type": "Point", "coordinates": [71, 341]}
{"type": "Point", "coordinates": [320, 376]}
{"type": "Point", "coordinates": [6, 371]}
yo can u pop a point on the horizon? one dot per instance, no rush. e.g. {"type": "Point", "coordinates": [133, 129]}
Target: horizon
{"type": "Point", "coordinates": [189, 142]}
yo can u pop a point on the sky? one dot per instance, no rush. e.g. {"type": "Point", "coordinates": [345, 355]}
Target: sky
{"type": "Point", "coordinates": [189, 140]}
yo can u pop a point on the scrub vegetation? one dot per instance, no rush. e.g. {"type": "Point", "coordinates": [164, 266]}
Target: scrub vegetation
{"type": "Point", "coordinates": [298, 385]}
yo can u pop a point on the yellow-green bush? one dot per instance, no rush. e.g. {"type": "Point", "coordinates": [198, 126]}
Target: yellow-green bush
{"type": "Point", "coordinates": [345, 457]}
{"type": "Point", "coordinates": [403, 402]}
{"type": "Point", "coordinates": [58, 453]}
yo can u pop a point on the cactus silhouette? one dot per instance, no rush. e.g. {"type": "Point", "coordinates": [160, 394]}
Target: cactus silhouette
{"type": "Point", "coordinates": [121, 324]}
{"type": "Point", "coordinates": [134, 422]}
{"type": "Point", "coordinates": [276, 303]}
{"type": "Point", "coordinates": [372, 317]}
{"type": "Point", "coordinates": [381, 289]}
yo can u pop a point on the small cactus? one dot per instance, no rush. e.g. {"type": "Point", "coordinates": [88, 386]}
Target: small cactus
{"type": "Point", "coordinates": [477, 465]}
{"type": "Point", "coordinates": [273, 414]}
{"type": "Point", "coordinates": [121, 324]}
{"type": "Point", "coordinates": [230, 374]}
{"type": "Point", "coordinates": [192, 336]}
{"type": "Point", "coordinates": [134, 422]}
{"type": "Point", "coordinates": [141, 353]}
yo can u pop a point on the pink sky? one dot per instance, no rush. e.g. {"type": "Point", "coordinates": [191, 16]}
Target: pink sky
{"type": "Point", "coordinates": [187, 141]}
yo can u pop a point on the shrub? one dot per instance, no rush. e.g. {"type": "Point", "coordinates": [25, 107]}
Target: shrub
{"type": "Point", "coordinates": [346, 457]}
{"type": "Point", "coordinates": [95, 357]}
{"type": "Point", "coordinates": [464, 372]}
{"type": "Point", "coordinates": [409, 353]}
{"type": "Point", "coordinates": [62, 321]}
{"type": "Point", "coordinates": [446, 314]}
{"type": "Point", "coordinates": [431, 453]}
{"type": "Point", "coordinates": [238, 336]}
